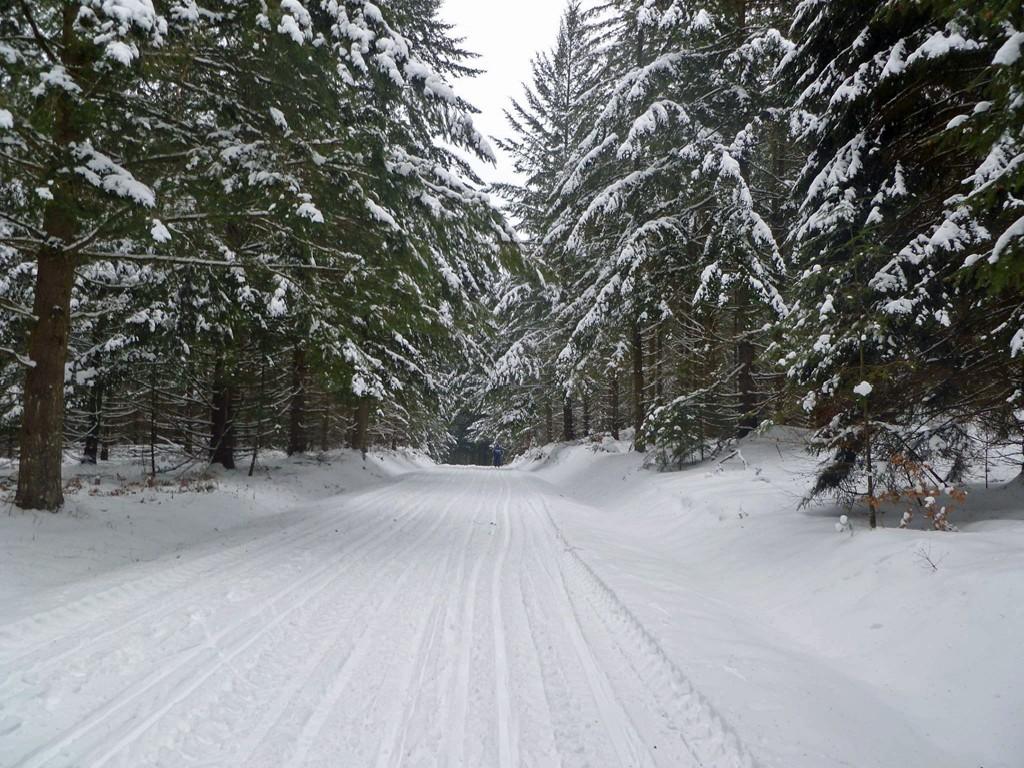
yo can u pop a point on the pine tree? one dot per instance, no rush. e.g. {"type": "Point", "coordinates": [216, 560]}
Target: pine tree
{"type": "Point", "coordinates": [173, 142]}
{"type": "Point", "coordinates": [881, 238]}
{"type": "Point", "coordinates": [991, 127]}
{"type": "Point", "coordinates": [734, 234]}
{"type": "Point", "coordinates": [657, 214]}
{"type": "Point", "coordinates": [557, 112]}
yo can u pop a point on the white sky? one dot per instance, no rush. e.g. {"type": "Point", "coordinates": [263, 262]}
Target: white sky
{"type": "Point", "coordinates": [506, 34]}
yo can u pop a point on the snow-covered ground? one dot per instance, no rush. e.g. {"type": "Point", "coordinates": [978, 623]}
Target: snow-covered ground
{"type": "Point", "coordinates": [114, 517]}
{"type": "Point", "coordinates": [573, 610]}
{"type": "Point", "coordinates": [820, 648]}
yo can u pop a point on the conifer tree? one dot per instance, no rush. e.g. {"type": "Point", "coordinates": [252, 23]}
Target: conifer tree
{"type": "Point", "coordinates": [883, 230]}
{"type": "Point", "coordinates": [171, 140]}
{"type": "Point", "coordinates": [555, 115]}
{"type": "Point", "coordinates": [657, 211]}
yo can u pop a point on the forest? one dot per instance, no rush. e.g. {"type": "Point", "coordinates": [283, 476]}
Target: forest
{"type": "Point", "coordinates": [229, 227]}
{"type": "Point", "coordinates": [507, 383]}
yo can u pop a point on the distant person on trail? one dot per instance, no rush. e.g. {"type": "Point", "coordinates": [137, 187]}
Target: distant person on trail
{"type": "Point", "coordinates": [499, 454]}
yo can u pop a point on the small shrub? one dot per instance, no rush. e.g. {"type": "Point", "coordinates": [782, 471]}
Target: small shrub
{"type": "Point", "coordinates": [922, 494]}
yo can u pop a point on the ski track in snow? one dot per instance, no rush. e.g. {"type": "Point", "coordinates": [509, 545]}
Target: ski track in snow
{"type": "Point", "coordinates": [440, 621]}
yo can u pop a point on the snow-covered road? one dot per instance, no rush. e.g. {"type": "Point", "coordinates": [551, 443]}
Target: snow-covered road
{"type": "Point", "coordinates": [440, 619]}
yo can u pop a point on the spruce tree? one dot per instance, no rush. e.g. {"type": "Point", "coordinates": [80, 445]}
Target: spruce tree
{"type": "Point", "coordinates": [881, 236]}
{"type": "Point", "coordinates": [175, 143]}
{"type": "Point", "coordinates": [556, 113]}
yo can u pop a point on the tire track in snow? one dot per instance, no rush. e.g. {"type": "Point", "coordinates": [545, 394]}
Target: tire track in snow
{"type": "Point", "coordinates": [295, 630]}
{"type": "Point", "coordinates": [455, 649]}
{"type": "Point", "coordinates": [455, 712]}
{"type": "Point", "coordinates": [529, 724]}
{"type": "Point", "coordinates": [710, 741]}
{"type": "Point", "coordinates": [308, 646]}
{"type": "Point", "coordinates": [156, 572]}
{"type": "Point", "coordinates": [429, 641]}
{"type": "Point", "coordinates": [507, 749]}
{"type": "Point", "coordinates": [575, 743]}
{"type": "Point", "coordinates": [114, 706]}
{"type": "Point", "coordinates": [50, 672]}
{"type": "Point", "coordinates": [393, 747]}
{"type": "Point", "coordinates": [316, 721]}
{"type": "Point", "coordinates": [622, 732]}
{"type": "Point", "coordinates": [149, 590]}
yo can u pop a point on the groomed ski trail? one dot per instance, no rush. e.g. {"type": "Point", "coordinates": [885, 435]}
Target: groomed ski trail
{"type": "Point", "coordinates": [441, 620]}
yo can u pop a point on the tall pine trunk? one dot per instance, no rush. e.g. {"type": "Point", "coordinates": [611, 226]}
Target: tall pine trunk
{"type": "Point", "coordinates": [568, 427]}
{"type": "Point", "coordinates": [659, 366]}
{"type": "Point", "coordinates": [42, 425]}
{"type": "Point", "coordinates": [745, 352]}
{"type": "Point", "coordinates": [222, 427]}
{"type": "Point", "coordinates": [748, 388]}
{"type": "Point", "coordinates": [153, 409]}
{"type": "Point", "coordinates": [297, 406]}
{"type": "Point", "coordinates": [187, 415]}
{"type": "Point", "coordinates": [260, 397]}
{"type": "Point", "coordinates": [638, 390]}
{"type": "Point", "coordinates": [363, 426]}
{"type": "Point", "coordinates": [91, 451]}
{"type": "Point", "coordinates": [613, 405]}
{"type": "Point", "coordinates": [745, 356]}
{"type": "Point", "coordinates": [325, 424]}
{"type": "Point", "coordinates": [353, 428]}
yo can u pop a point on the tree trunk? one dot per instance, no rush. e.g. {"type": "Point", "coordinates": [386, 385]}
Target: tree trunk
{"type": "Point", "coordinates": [222, 427]}
{"type": "Point", "coordinates": [745, 352]}
{"type": "Point", "coordinates": [187, 416]}
{"type": "Point", "coordinates": [659, 357]}
{"type": "Point", "coordinates": [152, 420]}
{"type": "Point", "coordinates": [613, 405]}
{"type": "Point", "coordinates": [92, 436]}
{"type": "Point", "coordinates": [868, 463]}
{"type": "Point", "coordinates": [42, 425]}
{"type": "Point", "coordinates": [297, 406]}
{"type": "Point", "coordinates": [568, 428]}
{"type": "Point", "coordinates": [363, 426]}
{"type": "Point", "coordinates": [748, 388]}
{"type": "Point", "coordinates": [586, 416]}
{"type": "Point", "coordinates": [638, 390]}
{"type": "Point", "coordinates": [549, 422]}
{"type": "Point", "coordinates": [259, 415]}
{"type": "Point", "coordinates": [135, 432]}
{"type": "Point", "coordinates": [705, 406]}
{"type": "Point", "coordinates": [325, 425]}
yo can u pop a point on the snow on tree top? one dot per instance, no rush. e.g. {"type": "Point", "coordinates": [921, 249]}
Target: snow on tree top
{"type": "Point", "coordinates": [1009, 53]}
{"type": "Point", "coordinates": [105, 174]}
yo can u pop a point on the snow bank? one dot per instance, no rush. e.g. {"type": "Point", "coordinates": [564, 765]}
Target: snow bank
{"type": "Point", "coordinates": [885, 648]}
{"type": "Point", "coordinates": [113, 518]}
